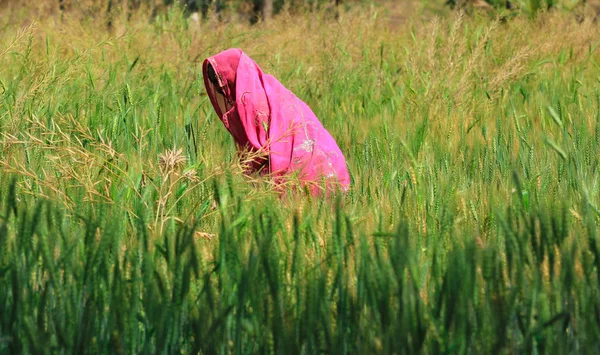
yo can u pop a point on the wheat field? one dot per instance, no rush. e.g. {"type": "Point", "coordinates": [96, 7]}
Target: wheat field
{"type": "Point", "coordinates": [471, 226]}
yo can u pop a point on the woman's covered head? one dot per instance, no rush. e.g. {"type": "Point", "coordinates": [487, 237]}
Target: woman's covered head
{"type": "Point", "coordinates": [212, 77]}
{"type": "Point", "coordinates": [220, 73]}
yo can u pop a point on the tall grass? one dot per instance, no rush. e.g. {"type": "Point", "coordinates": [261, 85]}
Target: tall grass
{"type": "Point", "coordinates": [471, 226]}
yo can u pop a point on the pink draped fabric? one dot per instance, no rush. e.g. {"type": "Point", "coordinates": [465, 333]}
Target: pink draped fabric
{"type": "Point", "coordinates": [265, 117]}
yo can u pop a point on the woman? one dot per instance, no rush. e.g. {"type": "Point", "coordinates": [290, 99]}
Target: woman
{"type": "Point", "coordinates": [267, 119]}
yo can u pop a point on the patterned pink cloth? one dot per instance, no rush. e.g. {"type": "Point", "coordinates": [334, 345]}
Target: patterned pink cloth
{"type": "Point", "coordinates": [263, 116]}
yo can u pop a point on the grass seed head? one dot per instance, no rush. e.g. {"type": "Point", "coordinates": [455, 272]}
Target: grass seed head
{"type": "Point", "coordinates": [171, 160]}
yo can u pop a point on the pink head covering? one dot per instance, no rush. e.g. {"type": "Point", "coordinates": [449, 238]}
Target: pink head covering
{"type": "Point", "coordinates": [265, 117]}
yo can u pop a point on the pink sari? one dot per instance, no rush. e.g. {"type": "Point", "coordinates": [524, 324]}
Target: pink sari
{"type": "Point", "coordinates": [265, 117]}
